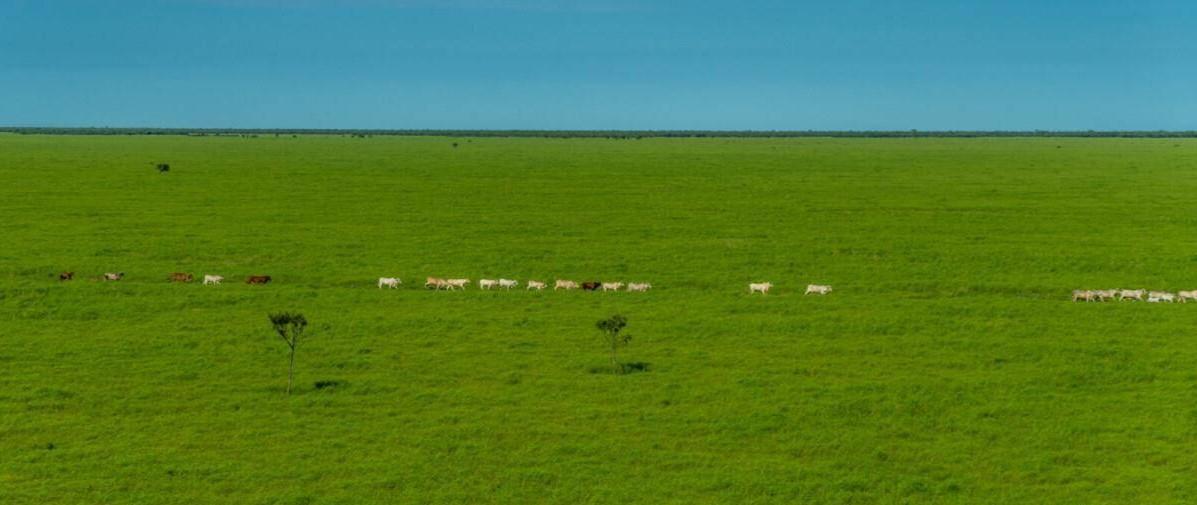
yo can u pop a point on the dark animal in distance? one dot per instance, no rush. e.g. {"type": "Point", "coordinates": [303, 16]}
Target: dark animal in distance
{"type": "Point", "coordinates": [181, 277]}
{"type": "Point", "coordinates": [592, 286]}
{"type": "Point", "coordinates": [66, 276]}
{"type": "Point", "coordinates": [163, 167]}
{"type": "Point", "coordinates": [257, 279]}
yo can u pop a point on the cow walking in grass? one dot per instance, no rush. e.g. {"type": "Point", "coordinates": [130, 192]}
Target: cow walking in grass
{"type": "Point", "coordinates": [537, 285]}
{"type": "Point", "coordinates": [213, 279]}
{"type": "Point", "coordinates": [1083, 295]}
{"type": "Point", "coordinates": [487, 283]}
{"type": "Point", "coordinates": [1186, 295]}
{"type": "Point", "coordinates": [639, 286]}
{"type": "Point", "coordinates": [390, 282]}
{"type": "Point", "coordinates": [1131, 294]}
{"type": "Point", "coordinates": [760, 287]}
{"type": "Point", "coordinates": [612, 286]}
{"type": "Point", "coordinates": [452, 284]}
{"type": "Point", "coordinates": [563, 284]}
{"type": "Point", "coordinates": [817, 289]}
{"type": "Point", "coordinates": [436, 283]}
{"type": "Point", "coordinates": [1160, 297]}
{"type": "Point", "coordinates": [508, 283]}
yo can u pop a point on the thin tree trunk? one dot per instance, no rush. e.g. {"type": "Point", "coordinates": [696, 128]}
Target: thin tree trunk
{"type": "Point", "coordinates": [614, 360]}
{"type": "Point", "coordinates": [291, 371]}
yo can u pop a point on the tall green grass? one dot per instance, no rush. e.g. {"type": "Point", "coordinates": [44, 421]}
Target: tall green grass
{"type": "Point", "coordinates": [947, 367]}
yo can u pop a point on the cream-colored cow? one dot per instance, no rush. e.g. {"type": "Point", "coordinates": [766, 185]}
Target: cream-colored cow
{"type": "Point", "coordinates": [390, 282]}
{"type": "Point", "coordinates": [760, 287]}
{"type": "Point", "coordinates": [612, 286]}
{"type": "Point", "coordinates": [508, 283]}
{"type": "Point", "coordinates": [562, 284]}
{"type": "Point", "coordinates": [1186, 295]}
{"type": "Point", "coordinates": [487, 283]}
{"type": "Point", "coordinates": [213, 279]}
{"type": "Point", "coordinates": [817, 289]}
{"type": "Point", "coordinates": [537, 285]}
{"type": "Point", "coordinates": [1131, 294]}
{"type": "Point", "coordinates": [639, 286]}
{"type": "Point", "coordinates": [1160, 296]}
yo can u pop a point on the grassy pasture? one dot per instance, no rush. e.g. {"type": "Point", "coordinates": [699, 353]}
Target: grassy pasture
{"type": "Point", "coordinates": [947, 367]}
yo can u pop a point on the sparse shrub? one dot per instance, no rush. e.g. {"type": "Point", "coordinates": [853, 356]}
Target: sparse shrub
{"type": "Point", "coordinates": [289, 327]}
{"type": "Point", "coordinates": [611, 330]}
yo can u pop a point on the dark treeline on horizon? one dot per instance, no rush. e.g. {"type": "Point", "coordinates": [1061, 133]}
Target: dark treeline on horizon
{"type": "Point", "coordinates": [620, 134]}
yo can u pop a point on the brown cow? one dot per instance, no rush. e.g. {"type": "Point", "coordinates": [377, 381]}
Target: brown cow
{"type": "Point", "coordinates": [66, 276]}
{"type": "Point", "coordinates": [257, 279]}
{"type": "Point", "coordinates": [592, 286]}
{"type": "Point", "coordinates": [181, 277]}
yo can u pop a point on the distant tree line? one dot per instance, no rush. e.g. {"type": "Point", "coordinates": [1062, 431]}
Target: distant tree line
{"type": "Point", "coordinates": [610, 134]}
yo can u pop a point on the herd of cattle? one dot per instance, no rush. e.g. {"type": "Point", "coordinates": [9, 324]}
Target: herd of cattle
{"type": "Point", "coordinates": [175, 277]}
{"type": "Point", "coordinates": [1105, 295]}
{"type": "Point", "coordinates": [437, 283]}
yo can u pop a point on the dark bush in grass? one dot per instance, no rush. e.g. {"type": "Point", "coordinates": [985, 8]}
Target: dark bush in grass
{"type": "Point", "coordinates": [329, 384]}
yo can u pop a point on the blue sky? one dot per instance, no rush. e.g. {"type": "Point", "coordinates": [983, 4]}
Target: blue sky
{"type": "Point", "coordinates": [604, 64]}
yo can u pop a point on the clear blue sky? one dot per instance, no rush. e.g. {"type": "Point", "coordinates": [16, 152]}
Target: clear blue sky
{"type": "Point", "coordinates": [602, 64]}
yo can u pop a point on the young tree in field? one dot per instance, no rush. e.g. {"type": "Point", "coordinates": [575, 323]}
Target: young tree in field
{"type": "Point", "coordinates": [612, 332]}
{"type": "Point", "coordinates": [289, 328]}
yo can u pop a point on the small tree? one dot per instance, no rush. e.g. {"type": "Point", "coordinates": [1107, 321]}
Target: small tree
{"type": "Point", "coordinates": [612, 332]}
{"type": "Point", "coordinates": [289, 328]}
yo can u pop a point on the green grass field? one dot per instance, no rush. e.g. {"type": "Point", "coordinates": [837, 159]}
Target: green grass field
{"type": "Point", "coordinates": [947, 367]}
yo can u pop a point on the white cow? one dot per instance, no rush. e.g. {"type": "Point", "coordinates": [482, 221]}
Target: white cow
{"type": "Point", "coordinates": [436, 283]}
{"type": "Point", "coordinates": [1186, 295]}
{"type": "Point", "coordinates": [487, 283]}
{"type": "Point", "coordinates": [1105, 294]}
{"type": "Point", "coordinates": [560, 284]}
{"type": "Point", "coordinates": [213, 279]}
{"type": "Point", "coordinates": [639, 286]}
{"type": "Point", "coordinates": [1131, 294]}
{"type": "Point", "coordinates": [612, 286]}
{"type": "Point", "coordinates": [456, 283]}
{"type": "Point", "coordinates": [760, 287]}
{"type": "Point", "coordinates": [508, 283]}
{"type": "Point", "coordinates": [1085, 295]}
{"type": "Point", "coordinates": [390, 282]}
{"type": "Point", "coordinates": [1160, 296]}
{"type": "Point", "coordinates": [817, 289]}
{"type": "Point", "coordinates": [537, 285]}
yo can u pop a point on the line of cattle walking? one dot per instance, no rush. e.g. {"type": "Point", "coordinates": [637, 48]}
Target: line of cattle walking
{"type": "Point", "coordinates": [437, 283]}
{"type": "Point", "coordinates": [175, 277]}
{"type": "Point", "coordinates": [1105, 295]}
